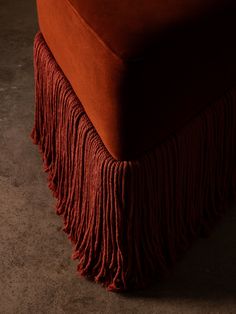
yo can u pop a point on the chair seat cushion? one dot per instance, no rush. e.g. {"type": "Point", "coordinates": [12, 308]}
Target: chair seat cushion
{"type": "Point", "coordinates": [142, 69]}
{"type": "Point", "coordinates": [126, 26]}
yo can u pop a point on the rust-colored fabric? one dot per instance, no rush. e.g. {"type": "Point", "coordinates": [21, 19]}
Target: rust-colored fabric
{"type": "Point", "coordinates": [127, 25]}
{"type": "Point", "coordinates": [130, 221]}
{"type": "Point", "coordinates": [141, 85]}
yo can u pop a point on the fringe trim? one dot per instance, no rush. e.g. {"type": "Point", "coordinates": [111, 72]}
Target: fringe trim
{"type": "Point", "coordinates": [131, 220]}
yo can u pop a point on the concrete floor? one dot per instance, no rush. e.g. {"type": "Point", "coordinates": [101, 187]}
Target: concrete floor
{"type": "Point", "coordinates": [36, 272]}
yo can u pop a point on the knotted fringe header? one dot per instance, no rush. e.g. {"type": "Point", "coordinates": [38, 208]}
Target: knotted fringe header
{"type": "Point", "coordinates": [131, 220]}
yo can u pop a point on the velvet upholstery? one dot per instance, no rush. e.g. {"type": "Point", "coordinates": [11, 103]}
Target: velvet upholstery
{"type": "Point", "coordinates": [141, 69]}
{"type": "Point", "coordinates": [127, 25]}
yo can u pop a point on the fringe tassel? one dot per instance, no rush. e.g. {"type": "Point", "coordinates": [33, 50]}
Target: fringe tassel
{"type": "Point", "coordinates": [131, 220]}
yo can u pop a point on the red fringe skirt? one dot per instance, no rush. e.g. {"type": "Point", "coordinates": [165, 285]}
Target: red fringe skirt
{"type": "Point", "coordinates": [131, 220]}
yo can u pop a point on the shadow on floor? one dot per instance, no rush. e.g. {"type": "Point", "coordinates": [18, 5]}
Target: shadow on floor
{"type": "Point", "coordinates": [207, 271]}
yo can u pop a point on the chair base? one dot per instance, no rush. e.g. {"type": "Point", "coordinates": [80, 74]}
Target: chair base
{"type": "Point", "coordinates": [130, 221]}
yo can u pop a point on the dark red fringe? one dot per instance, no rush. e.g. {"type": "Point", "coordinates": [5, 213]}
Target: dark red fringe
{"type": "Point", "coordinates": [131, 220]}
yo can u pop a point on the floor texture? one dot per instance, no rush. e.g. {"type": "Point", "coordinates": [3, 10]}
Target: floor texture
{"type": "Point", "coordinates": [37, 274]}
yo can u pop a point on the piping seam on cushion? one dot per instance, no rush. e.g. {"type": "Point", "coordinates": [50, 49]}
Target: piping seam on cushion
{"type": "Point", "coordinates": [93, 32]}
